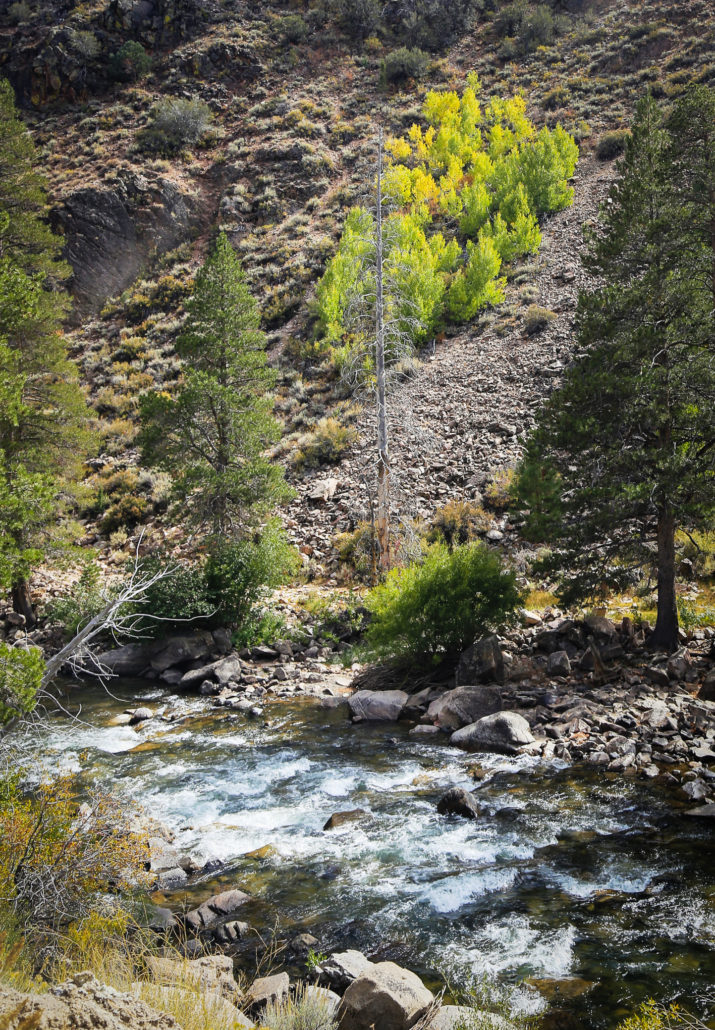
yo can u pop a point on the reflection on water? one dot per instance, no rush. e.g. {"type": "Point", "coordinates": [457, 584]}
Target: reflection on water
{"type": "Point", "coordinates": [565, 876]}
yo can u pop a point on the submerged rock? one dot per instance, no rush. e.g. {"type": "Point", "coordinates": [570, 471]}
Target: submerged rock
{"type": "Point", "coordinates": [384, 996]}
{"type": "Point", "coordinates": [341, 818]}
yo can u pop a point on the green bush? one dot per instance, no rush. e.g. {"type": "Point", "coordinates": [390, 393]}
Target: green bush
{"type": "Point", "coordinates": [537, 318]}
{"type": "Point", "coordinates": [175, 123]}
{"type": "Point", "coordinates": [131, 62]}
{"type": "Point", "coordinates": [293, 28]}
{"type": "Point", "coordinates": [224, 589]}
{"type": "Point", "coordinates": [438, 608]}
{"type": "Point", "coordinates": [611, 144]}
{"type": "Point", "coordinates": [537, 29]}
{"type": "Point", "coordinates": [405, 64]}
{"type": "Point", "coordinates": [358, 550]}
{"type": "Point", "coordinates": [325, 445]}
{"type": "Point", "coordinates": [457, 523]}
{"type": "Point", "coordinates": [21, 673]}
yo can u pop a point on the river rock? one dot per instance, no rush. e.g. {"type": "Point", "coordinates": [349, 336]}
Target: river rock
{"type": "Point", "coordinates": [128, 660]}
{"type": "Point", "coordinates": [77, 1004]}
{"type": "Point", "coordinates": [502, 732]}
{"type": "Point", "coordinates": [458, 801]}
{"type": "Point", "coordinates": [210, 973]}
{"type": "Point", "coordinates": [385, 996]}
{"type": "Point", "coordinates": [377, 705]}
{"type": "Point", "coordinates": [453, 1017]}
{"type": "Point", "coordinates": [266, 990]}
{"type": "Point", "coordinates": [464, 705]}
{"type": "Point", "coordinates": [179, 649]}
{"type": "Point", "coordinates": [140, 715]}
{"type": "Point", "coordinates": [342, 967]}
{"type": "Point", "coordinates": [341, 818]}
{"type": "Point", "coordinates": [558, 664]}
{"type": "Point", "coordinates": [217, 909]}
{"type": "Point", "coordinates": [703, 812]}
{"type": "Point", "coordinates": [481, 662]}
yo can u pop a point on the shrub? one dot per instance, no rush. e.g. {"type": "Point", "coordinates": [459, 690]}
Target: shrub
{"type": "Point", "coordinates": [358, 550]}
{"type": "Point", "coordinates": [293, 28]}
{"type": "Point", "coordinates": [21, 673]}
{"type": "Point", "coordinates": [537, 29]}
{"type": "Point", "coordinates": [439, 607]}
{"type": "Point", "coordinates": [611, 144]}
{"type": "Point", "coordinates": [175, 123]}
{"type": "Point", "coordinates": [537, 318]}
{"type": "Point", "coordinates": [405, 64]}
{"type": "Point", "coordinates": [359, 18]}
{"type": "Point", "coordinates": [19, 12]}
{"type": "Point", "coordinates": [224, 589]}
{"type": "Point", "coordinates": [58, 855]}
{"type": "Point", "coordinates": [500, 491]}
{"type": "Point", "coordinates": [304, 1011]}
{"type": "Point", "coordinates": [131, 62]}
{"type": "Point", "coordinates": [458, 522]}
{"type": "Point", "coordinates": [127, 510]}
{"type": "Point", "coordinates": [325, 445]}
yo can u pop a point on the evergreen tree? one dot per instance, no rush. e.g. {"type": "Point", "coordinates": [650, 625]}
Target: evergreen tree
{"type": "Point", "coordinates": [212, 435]}
{"type": "Point", "coordinates": [630, 436]}
{"type": "Point", "coordinates": [43, 415]}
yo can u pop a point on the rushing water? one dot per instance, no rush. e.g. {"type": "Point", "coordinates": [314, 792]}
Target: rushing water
{"type": "Point", "coordinates": [592, 881]}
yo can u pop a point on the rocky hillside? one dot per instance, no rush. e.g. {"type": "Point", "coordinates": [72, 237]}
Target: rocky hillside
{"type": "Point", "coordinates": [281, 142]}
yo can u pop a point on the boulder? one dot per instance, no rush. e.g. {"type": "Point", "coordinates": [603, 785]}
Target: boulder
{"type": "Point", "coordinates": [377, 705]}
{"type": "Point", "coordinates": [452, 1017]}
{"type": "Point", "coordinates": [458, 801]}
{"type": "Point", "coordinates": [266, 990]}
{"type": "Point", "coordinates": [481, 663]}
{"type": "Point", "coordinates": [384, 996]}
{"type": "Point", "coordinates": [302, 945]}
{"type": "Point", "coordinates": [210, 973]}
{"type": "Point", "coordinates": [177, 650]}
{"type": "Point", "coordinates": [464, 705]}
{"type": "Point", "coordinates": [341, 818]}
{"type": "Point", "coordinates": [140, 715]}
{"type": "Point", "coordinates": [503, 732]}
{"type": "Point", "coordinates": [558, 664]}
{"type": "Point", "coordinates": [128, 660]}
{"type": "Point", "coordinates": [601, 627]}
{"type": "Point", "coordinates": [323, 490]}
{"type": "Point", "coordinates": [77, 1004]}
{"type": "Point", "coordinates": [217, 909]}
{"type": "Point", "coordinates": [327, 999]}
{"type": "Point", "coordinates": [342, 967]}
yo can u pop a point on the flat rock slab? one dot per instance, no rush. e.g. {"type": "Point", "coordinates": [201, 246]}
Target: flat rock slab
{"type": "Point", "coordinates": [217, 909]}
{"type": "Point", "coordinates": [377, 705]}
{"type": "Point", "coordinates": [385, 996]}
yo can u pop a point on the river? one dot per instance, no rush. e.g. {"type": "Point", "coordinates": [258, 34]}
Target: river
{"type": "Point", "coordinates": [592, 889]}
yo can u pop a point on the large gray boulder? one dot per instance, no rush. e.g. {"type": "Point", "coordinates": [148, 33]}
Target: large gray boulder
{"type": "Point", "coordinates": [179, 649]}
{"type": "Point", "coordinates": [128, 660]}
{"type": "Point", "coordinates": [385, 997]}
{"type": "Point", "coordinates": [503, 732]}
{"type": "Point", "coordinates": [377, 705]}
{"type": "Point", "coordinates": [464, 705]}
{"type": "Point", "coordinates": [342, 967]}
{"type": "Point", "coordinates": [483, 662]}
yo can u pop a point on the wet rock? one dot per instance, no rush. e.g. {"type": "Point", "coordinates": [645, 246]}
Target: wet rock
{"type": "Point", "coordinates": [217, 909]}
{"type": "Point", "coordinates": [703, 812]}
{"type": "Point", "coordinates": [377, 705]}
{"type": "Point", "coordinates": [266, 990]}
{"type": "Point", "coordinates": [341, 818]}
{"type": "Point", "coordinates": [424, 732]}
{"type": "Point", "coordinates": [140, 715]}
{"type": "Point", "coordinates": [458, 801]}
{"type": "Point", "coordinates": [558, 664]}
{"type": "Point", "coordinates": [342, 967]}
{"type": "Point", "coordinates": [481, 662]}
{"type": "Point", "coordinates": [464, 705]}
{"type": "Point", "coordinates": [503, 732]}
{"type": "Point", "coordinates": [229, 933]}
{"type": "Point", "coordinates": [385, 996]}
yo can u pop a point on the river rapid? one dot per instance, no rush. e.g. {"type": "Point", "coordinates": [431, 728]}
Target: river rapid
{"type": "Point", "coordinates": [590, 890]}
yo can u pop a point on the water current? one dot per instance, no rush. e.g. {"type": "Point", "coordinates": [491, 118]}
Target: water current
{"type": "Point", "coordinates": [594, 892]}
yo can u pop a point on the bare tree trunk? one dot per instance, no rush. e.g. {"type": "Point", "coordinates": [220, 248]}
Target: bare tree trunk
{"type": "Point", "coordinates": [22, 602]}
{"type": "Point", "coordinates": [665, 634]}
{"type": "Point", "coordinates": [383, 466]}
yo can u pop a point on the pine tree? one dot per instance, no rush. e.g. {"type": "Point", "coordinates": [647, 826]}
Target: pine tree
{"type": "Point", "coordinates": [631, 433]}
{"type": "Point", "coordinates": [213, 434]}
{"type": "Point", "coordinates": [43, 414]}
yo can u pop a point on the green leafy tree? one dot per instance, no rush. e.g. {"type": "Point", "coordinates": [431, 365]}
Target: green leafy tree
{"type": "Point", "coordinates": [43, 415]}
{"type": "Point", "coordinates": [630, 436]}
{"type": "Point", "coordinates": [213, 434]}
